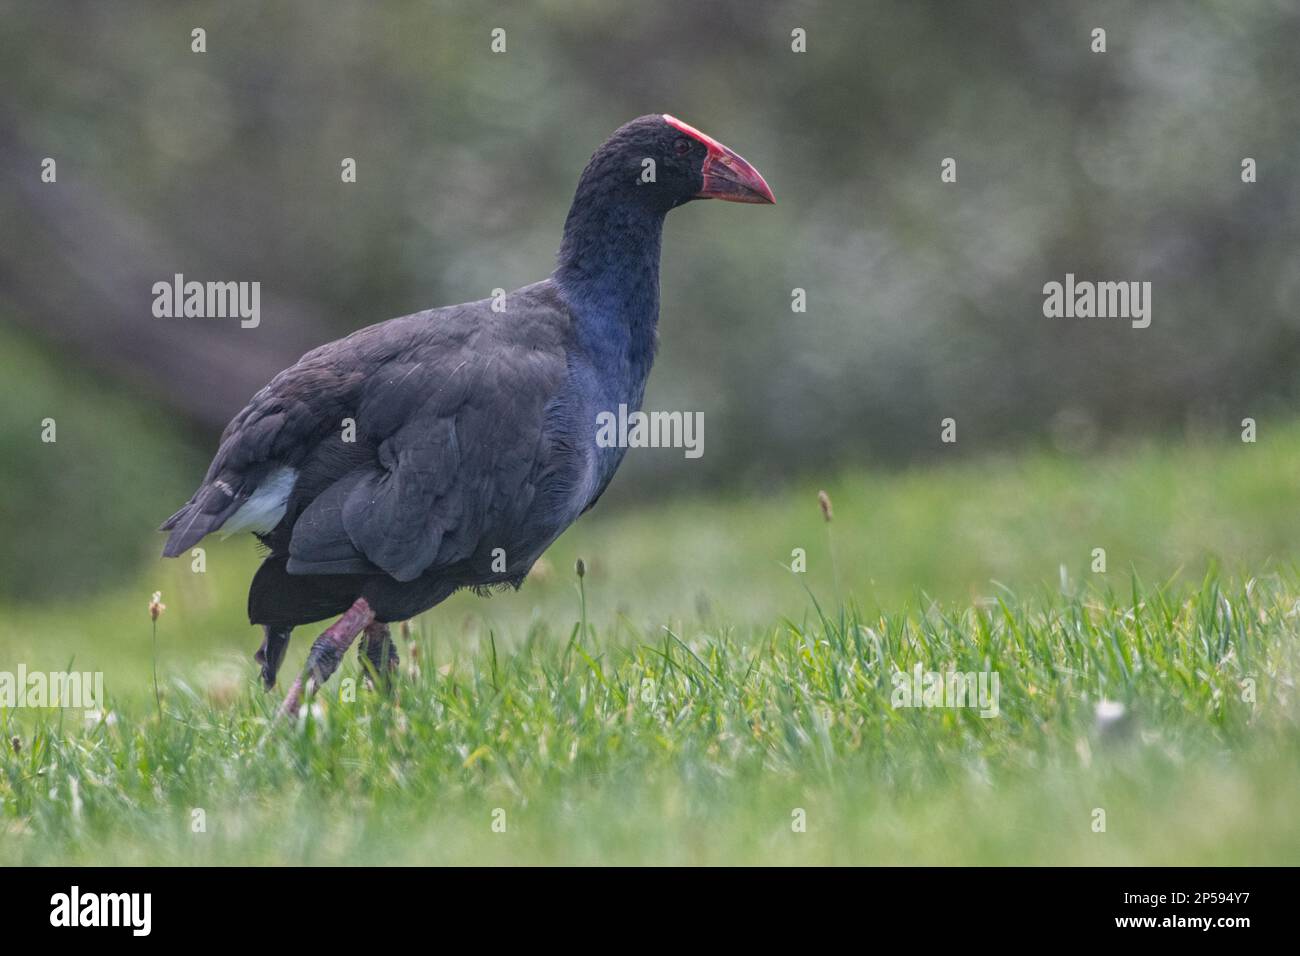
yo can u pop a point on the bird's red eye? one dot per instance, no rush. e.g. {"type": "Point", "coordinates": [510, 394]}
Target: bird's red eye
{"type": "Point", "coordinates": [682, 146]}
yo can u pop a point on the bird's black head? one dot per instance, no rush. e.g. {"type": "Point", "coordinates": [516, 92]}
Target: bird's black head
{"type": "Point", "coordinates": [659, 162]}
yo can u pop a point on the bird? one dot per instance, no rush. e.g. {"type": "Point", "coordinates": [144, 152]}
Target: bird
{"type": "Point", "coordinates": [447, 449]}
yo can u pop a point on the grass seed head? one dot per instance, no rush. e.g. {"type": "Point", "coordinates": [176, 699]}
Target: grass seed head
{"type": "Point", "coordinates": [581, 567]}
{"type": "Point", "coordinates": [156, 606]}
{"type": "Point", "coordinates": [824, 500]}
{"type": "Point", "coordinates": [17, 744]}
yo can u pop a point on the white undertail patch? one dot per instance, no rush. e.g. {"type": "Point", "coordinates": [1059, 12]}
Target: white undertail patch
{"type": "Point", "coordinates": [265, 506]}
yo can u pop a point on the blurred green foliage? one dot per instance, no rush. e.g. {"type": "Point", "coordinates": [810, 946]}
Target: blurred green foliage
{"type": "Point", "coordinates": [924, 298]}
{"type": "Point", "coordinates": [77, 511]}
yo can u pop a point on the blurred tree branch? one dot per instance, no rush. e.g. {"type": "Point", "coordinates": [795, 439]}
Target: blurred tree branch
{"type": "Point", "coordinates": [82, 279]}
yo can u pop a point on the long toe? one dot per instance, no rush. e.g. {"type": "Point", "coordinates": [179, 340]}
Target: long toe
{"type": "Point", "coordinates": [378, 654]}
{"type": "Point", "coordinates": [292, 700]}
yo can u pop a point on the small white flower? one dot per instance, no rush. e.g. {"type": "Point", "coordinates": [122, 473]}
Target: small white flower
{"type": "Point", "coordinates": [1109, 711]}
{"type": "Point", "coordinates": [1111, 717]}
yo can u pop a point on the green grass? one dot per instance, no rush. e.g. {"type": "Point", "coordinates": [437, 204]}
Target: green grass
{"type": "Point", "coordinates": [654, 747]}
{"type": "Point", "coordinates": [710, 698]}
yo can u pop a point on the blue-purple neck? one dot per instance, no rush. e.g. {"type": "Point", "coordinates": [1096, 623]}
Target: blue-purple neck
{"type": "Point", "coordinates": [609, 273]}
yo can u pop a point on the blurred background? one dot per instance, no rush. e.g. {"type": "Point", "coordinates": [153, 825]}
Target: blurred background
{"type": "Point", "coordinates": [924, 299]}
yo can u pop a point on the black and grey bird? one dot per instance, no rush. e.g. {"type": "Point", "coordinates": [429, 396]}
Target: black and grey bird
{"type": "Point", "coordinates": [449, 448]}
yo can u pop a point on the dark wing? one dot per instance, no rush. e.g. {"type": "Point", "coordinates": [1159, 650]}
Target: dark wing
{"type": "Point", "coordinates": [459, 466]}
{"type": "Point", "coordinates": [450, 440]}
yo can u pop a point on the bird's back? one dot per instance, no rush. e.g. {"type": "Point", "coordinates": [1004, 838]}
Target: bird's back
{"type": "Point", "coordinates": [425, 446]}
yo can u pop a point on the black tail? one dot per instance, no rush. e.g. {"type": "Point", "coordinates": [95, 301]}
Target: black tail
{"type": "Point", "coordinates": [210, 508]}
{"type": "Point", "coordinates": [187, 527]}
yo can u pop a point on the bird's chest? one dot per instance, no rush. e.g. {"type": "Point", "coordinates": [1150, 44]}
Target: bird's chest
{"type": "Point", "coordinates": [589, 453]}
{"type": "Point", "coordinates": [602, 434]}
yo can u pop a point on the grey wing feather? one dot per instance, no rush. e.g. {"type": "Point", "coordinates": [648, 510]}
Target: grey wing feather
{"type": "Point", "coordinates": [457, 470]}
{"type": "Point", "coordinates": [452, 404]}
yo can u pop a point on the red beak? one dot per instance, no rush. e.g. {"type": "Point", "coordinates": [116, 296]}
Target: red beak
{"type": "Point", "coordinates": [726, 174]}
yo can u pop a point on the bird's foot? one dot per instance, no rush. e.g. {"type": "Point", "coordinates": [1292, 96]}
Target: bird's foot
{"type": "Point", "coordinates": [379, 654]}
{"type": "Point", "coordinates": [325, 654]}
{"type": "Point", "coordinates": [271, 654]}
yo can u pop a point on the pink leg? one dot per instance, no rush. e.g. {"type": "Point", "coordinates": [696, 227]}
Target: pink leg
{"type": "Point", "coordinates": [326, 653]}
